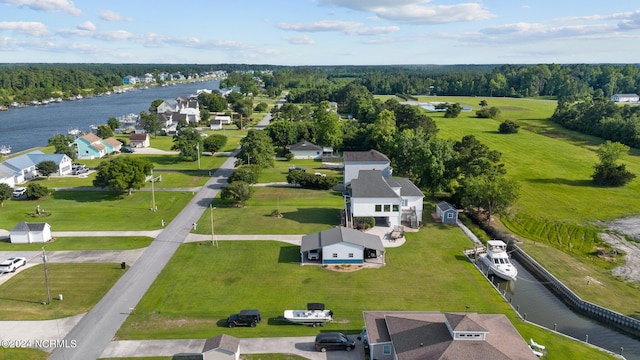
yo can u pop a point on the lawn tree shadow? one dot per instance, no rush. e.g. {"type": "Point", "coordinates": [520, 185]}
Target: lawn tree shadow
{"type": "Point", "coordinates": [96, 195]}
{"type": "Point", "coordinates": [222, 323]}
{"type": "Point", "coordinates": [279, 321]}
{"type": "Point", "coordinates": [289, 255]}
{"type": "Point", "coordinates": [560, 181]}
{"type": "Point", "coordinates": [21, 300]}
{"type": "Point", "coordinates": [314, 216]}
{"type": "Point", "coordinates": [461, 258]}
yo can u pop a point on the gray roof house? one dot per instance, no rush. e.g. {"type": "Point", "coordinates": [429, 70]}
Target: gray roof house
{"type": "Point", "coordinates": [625, 98]}
{"type": "Point", "coordinates": [308, 150]}
{"type": "Point", "coordinates": [342, 245]}
{"type": "Point", "coordinates": [221, 347]}
{"type": "Point", "coordinates": [417, 335]}
{"type": "Point", "coordinates": [393, 201]}
{"type": "Point", "coordinates": [354, 161]}
{"type": "Point", "coordinates": [23, 167]}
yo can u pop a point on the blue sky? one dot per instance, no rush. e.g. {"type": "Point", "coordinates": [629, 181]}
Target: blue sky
{"type": "Point", "coordinates": [320, 32]}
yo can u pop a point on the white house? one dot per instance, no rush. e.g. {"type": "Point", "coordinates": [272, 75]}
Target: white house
{"type": "Point", "coordinates": [30, 232]}
{"type": "Point", "coordinates": [221, 347]}
{"type": "Point", "coordinates": [223, 119]}
{"type": "Point", "coordinates": [354, 161]}
{"type": "Point", "coordinates": [24, 167]}
{"type": "Point", "coordinates": [625, 98]}
{"type": "Point", "coordinates": [306, 150]}
{"type": "Point", "coordinates": [342, 245]}
{"type": "Point", "coordinates": [139, 140]}
{"type": "Point", "coordinates": [393, 201]}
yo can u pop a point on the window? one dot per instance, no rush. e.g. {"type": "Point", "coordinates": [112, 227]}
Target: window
{"type": "Point", "coordinates": [386, 349]}
{"type": "Point", "coordinates": [378, 208]}
{"type": "Point", "coordinates": [350, 255]}
{"type": "Point", "coordinates": [449, 216]}
{"type": "Point", "coordinates": [396, 208]}
{"type": "Point", "coordinates": [387, 208]}
{"type": "Point", "coordinates": [405, 203]}
{"type": "Point", "coordinates": [335, 255]}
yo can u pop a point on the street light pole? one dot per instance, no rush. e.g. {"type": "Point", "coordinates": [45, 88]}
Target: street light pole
{"type": "Point", "coordinates": [198, 151]}
{"type": "Point", "coordinates": [212, 235]}
{"type": "Point", "coordinates": [46, 276]}
{"type": "Point", "coordinates": [153, 193]}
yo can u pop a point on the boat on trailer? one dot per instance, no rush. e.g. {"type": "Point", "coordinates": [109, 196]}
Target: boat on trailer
{"type": "Point", "coordinates": [314, 315]}
{"type": "Point", "coordinates": [496, 258]}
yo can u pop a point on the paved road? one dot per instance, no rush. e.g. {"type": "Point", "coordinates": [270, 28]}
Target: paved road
{"type": "Point", "coordinates": [97, 328]}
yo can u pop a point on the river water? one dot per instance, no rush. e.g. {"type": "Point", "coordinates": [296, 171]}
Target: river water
{"type": "Point", "coordinates": [33, 126]}
{"type": "Point", "coordinates": [542, 307]}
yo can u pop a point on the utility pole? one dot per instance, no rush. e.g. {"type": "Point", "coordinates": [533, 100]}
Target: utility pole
{"type": "Point", "coordinates": [198, 151]}
{"type": "Point", "coordinates": [46, 276]}
{"type": "Point", "coordinates": [248, 159]}
{"type": "Point", "coordinates": [212, 235]}
{"type": "Point", "coordinates": [153, 193]}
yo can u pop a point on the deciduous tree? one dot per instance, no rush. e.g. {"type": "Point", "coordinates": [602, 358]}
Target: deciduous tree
{"type": "Point", "coordinates": [47, 167]}
{"type": "Point", "coordinates": [187, 142]}
{"type": "Point", "coordinates": [256, 149]}
{"type": "Point", "coordinates": [238, 192]}
{"type": "Point", "coordinates": [122, 174]}
{"type": "Point", "coordinates": [6, 192]}
{"type": "Point", "coordinates": [64, 145]}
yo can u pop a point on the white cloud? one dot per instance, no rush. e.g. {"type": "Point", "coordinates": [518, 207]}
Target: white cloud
{"type": "Point", "coordinates": [109, 15]}
{"type": "Point", "coordinates": [27, 27]}
{"type": "Point", "coordinates": [46, 5]}
{"type": "Point", "coordinates": [299, 40]}
{"type": "Point", "coordinates": [87, 26]}
{"type": "Point", "coordinates": [378, 30]}
{"type": "Point", "coordinates": [346, 27]}
{"type": "Point", "coordinates": [416, 11]}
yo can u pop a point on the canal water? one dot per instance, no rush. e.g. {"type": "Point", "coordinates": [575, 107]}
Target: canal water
{"type": "Point", "coordinates": [33, 126]}
{"type": "Point", "coordinates": [542, 307]}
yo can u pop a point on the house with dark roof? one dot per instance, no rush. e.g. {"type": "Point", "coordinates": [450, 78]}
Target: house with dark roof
{"type": "Point", "coordinates": [139, 140]}
{"type": "Point", "coordinates": [24, 167]}
{"type": "Point", "coordinates": [417, 335]}
{"type": "Point", "coordinates": [221, 347]}
{"type": "Point", "coordinates": [342, 245]}
{"type": "Point", "coordinates": [446, 213]}
{"type": "Point", "coordinates": [30, 232]}
{"type": "Point", "coordinates": [393, 201]}
{"type": "Point", "coordinates": [309, 150]}
{"type": "Point", "coordinates": [354, 161]}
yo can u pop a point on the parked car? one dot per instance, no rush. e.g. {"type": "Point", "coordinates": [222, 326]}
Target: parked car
{"type": "Point", "coordinates": [334, 341]}
{"type": "Point", "coordinates": [12, 264]}
{"type": "Point", "coordinates": [297, 169]}
{"type": "Point", "coordinates": [244, 318]}
{"type": "Point", "coordinates": [79, 171]}
{"type": "Point", "coordinates": [127, 150]}
{"type": "Point", "coordinates": [313, 254]}
{"type": "Point", "coordinates": [19, 192]}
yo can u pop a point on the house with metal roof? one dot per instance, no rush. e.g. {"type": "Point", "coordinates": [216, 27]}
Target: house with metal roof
{"type": "Point", "coordinates": [24, 167]}
{"type": "Point", "coordinates": [625, 98]}
{"type": "Point", "coordinates": [354, 161]}
{"type": "Point", "coordinates": [342, 245]}
{"type": "Point", "coordinates": [394, 201]}
{"type": "Point", "coordinates": [221, 347]}
{"type": "Point", "coordinates": [417, 335]}
{"type": "Point", "coordinates": [30, 232]}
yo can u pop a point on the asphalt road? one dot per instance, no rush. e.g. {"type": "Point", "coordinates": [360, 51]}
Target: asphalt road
{"type": "Point", "coordinates": [89, 338]}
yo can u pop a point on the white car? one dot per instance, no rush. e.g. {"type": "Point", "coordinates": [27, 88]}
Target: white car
{"type": "Point", "coordinates": [11, 264]}
{"type": "Point", "coordinates": [19, 192]}
{"type": "Point", "coordinates": [313, 254]}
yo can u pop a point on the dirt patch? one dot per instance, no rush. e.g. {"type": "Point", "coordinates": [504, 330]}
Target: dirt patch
{"type": "Point", "coordinates": [629, 227]}
{"type": "Point", "coordinates": [343, 268]}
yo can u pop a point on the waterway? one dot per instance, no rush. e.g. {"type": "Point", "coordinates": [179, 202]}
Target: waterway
{"type": "Point", "coordinates": [33, 126]}
{"type": "Point", "coordinates": [542, 307]}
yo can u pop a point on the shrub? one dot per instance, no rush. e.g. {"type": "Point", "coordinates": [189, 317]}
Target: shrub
{"type": "Point", "coordinates": [508, 127]}
{"type": "Point", "coordinates": [246, 173]}
{"type": "Point", "coordinates": [289, 156]}
{"type": "Point", "coordinates": [37, 191]}
{"type": "Point", "coordinates": [312, 181]}
{"type": "Point", "coordinates": [363, 223]}
{"type": "Point", "coordinates": [214, 143]}
{"type": "Point", "coordinates": [488, 113]}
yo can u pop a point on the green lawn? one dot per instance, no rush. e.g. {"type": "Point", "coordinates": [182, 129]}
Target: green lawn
{"type": "Point", "coordinates": [83, 243]}
{"type": "Point", "coordinates": [82, 286]}
{"type": "Point", "coordinates": [97, 210]}
{"type": "Point", "coordinates": [267, 275]}
{"type": "Point", "coordinates": [24, 354]}
{"type": "Point", "coordinates": [304, 211]}
{"type": "Point", "coordinates": [279, 172]}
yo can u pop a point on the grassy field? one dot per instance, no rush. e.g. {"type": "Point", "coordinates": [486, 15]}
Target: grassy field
{"type": "Point", "coordinates": [281, 169]}
{"type": "Point", "coordinates": [304, 211]}
{"type": "Point", "coordinates": [83, 243]}
{"type": "Point", "coordinates": [82, 286]}
{"type": "Point", "coordinates": [267, 275]}
{"type": "Point", "coordinates": [24, 354]}
{"type": "Point", "coordinates": [78, 210]}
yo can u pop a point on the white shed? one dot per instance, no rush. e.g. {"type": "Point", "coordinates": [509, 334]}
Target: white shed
{"type": "Point", "coordinates": [30, 232]}
{"type": "Point", "coordinates": [221, 347]}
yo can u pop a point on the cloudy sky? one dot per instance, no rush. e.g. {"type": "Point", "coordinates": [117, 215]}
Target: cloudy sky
{"type": "Point", "coordinates": [320, 32]}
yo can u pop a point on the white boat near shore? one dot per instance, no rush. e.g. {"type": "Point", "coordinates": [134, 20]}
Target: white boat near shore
{"type": "Point", "coordinates": [496, 258]}
{"type": "Point", "coordinates": [5, 150]}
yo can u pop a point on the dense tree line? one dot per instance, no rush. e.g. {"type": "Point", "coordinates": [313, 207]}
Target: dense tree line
{"type": "Point", "coordinates": [602, 118]}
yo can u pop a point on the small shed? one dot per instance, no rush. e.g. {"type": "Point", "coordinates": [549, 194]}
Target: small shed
{"type": "Point", "coordinates": [342, 245]}
{"type": "Point", "coordinates": [306, 150]}
{"type": "Point", "coordinates": [446, 213]}
{"type": "Point", "coordinates": [30, 232]}
{"type": "Point", "coordinates": [221, 347]}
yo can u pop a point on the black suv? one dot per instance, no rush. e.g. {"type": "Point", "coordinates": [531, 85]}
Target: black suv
{"type": "Point", "coordinates": [245, 318]}
{"type": "Point", "coordinates": [334, 341]}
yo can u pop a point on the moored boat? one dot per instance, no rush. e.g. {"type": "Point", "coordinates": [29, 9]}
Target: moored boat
{"type": "Point", "coordinates": [496, 258]}
{"type": "Point", "coordinates": [5, 150]}
{"type": "Point", "coordinates": [314, 315]}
